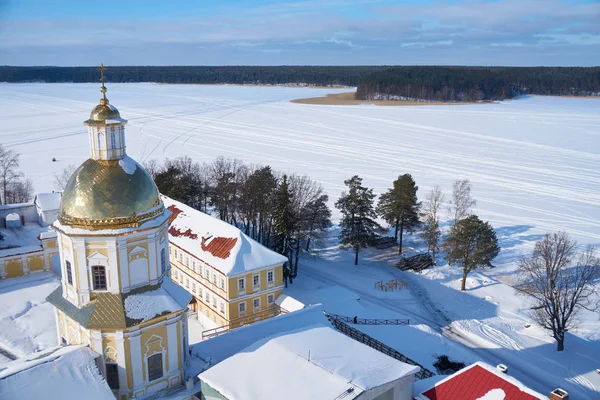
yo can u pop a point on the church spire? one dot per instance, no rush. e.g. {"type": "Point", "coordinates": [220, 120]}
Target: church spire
{"type": "Point", "coordinates": [104, 100]}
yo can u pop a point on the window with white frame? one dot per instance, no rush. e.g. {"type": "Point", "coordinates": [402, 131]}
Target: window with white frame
{"type": "Point", "coordinates": [270, 276]}
{"type": "Point", "coordinates": [176, 275]}
{"type": "Point", "coordinates": [207, 297]}
{"type": "Point", "coordinates": [222, 307]}
{"type": "Point", "coordinates": [187, 283]}
{"type": "Point", "coordinates": [256, 280]}
{"type": "Point", "coordinates": [223, 283]}
{"type": "Point", "coordinates": [215, 278]}
{"type": "Point", "coordinates": [214, 301]}
{"type": "Point", "coordinates": [207, 275]}
{"type": "Point", "coordinates": [270, 299]}
{"type": "Point", "coordinates": [194, 265]}
{"type": "Point", "coordinates": [163, 261]}
{"type": "Point", "coordinates": [69, 272]}
{"type": "Point", "coordinates": [155, 367]}
{"type": "Point", "coordinates": [242, 307]}
{"type": "Point", "coordinates": [99, 277]}
{"type": "Point", "coordinates": [175, 253]}
{"type": "Point", "coordinates": [187, 261]}
{"type": "Point", "coordinates": [199, 291]}
{"type": "Point", "coordinates": [193, 288]}
{"type": "Point", "coordinates": [256, 302]}
{"type": "Point", "coordinates": [200, 269]}
{"type": "Point", "coordinates": [181, 256]}
{"type": "Point", "coordinates": [241, 284]}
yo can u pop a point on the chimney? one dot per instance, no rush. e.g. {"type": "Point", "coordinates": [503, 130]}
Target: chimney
{"type": "Point", "coordinates": [559, 394]}
{"type": "Point", "coordinates": [502, 368]}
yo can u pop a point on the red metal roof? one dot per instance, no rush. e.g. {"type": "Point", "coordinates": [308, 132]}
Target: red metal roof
{"type": "Point", "coordinates": [174, 213]}
{"type": "Point", "coordinates": [473, 383]}
{"type": "Point", "coordinates": [219, 246]}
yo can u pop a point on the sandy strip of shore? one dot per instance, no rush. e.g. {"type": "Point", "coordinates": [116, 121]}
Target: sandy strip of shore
{"type": "Point", "coordinates": [347, 98]}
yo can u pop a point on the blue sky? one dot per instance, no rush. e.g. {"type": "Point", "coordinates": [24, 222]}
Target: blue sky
{"type": "Point", "coordinates": [300, 32]}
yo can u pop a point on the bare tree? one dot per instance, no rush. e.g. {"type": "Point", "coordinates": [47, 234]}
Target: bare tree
{"type": "Point", "coordinates": [560, 281]}
{"type": "Point", "coordinates": [19, 191]}
{"type": "Point", "coordinates": [461, 203]}
{"type": "Point", "coordinates": [9, 164]}
{"type": "Point", "coordinates": [431, 222]}
{"type": "Point", "coordinates": [152, 167]}
{"type": "Point", "coordinates": [61, 178]}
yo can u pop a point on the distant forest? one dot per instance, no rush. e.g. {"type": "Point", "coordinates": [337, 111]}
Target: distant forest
{"type": "Point", "coordinates": [426, 83]}
{"type": "Point", "coordinates": [244, 75]}
{"type": "Point", "coordinates": [458, 84]}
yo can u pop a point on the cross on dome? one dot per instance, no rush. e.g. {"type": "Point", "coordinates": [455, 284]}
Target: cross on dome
{"type": "Point", "coordinates": [104, 100]}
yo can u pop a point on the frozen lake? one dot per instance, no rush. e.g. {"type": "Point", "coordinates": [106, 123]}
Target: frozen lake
{"type": "Point", "coordinates": [534, 163]}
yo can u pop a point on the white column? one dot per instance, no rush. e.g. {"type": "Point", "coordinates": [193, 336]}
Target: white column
{"type": "Point", "coordinates": [121, 357]}
{"type": "Point", "coordinates": [173, 345]}
{"type": "Point", "coordinates": [83, 282]}
{"type": "Point", "coordinates": [113, 267]}
{"type": "Point", "coordinates": [57, 320]}
{"type": "Point", "coordinates": [123, 265]}
{"type": "Point", "coordinates": [96, 344]}
{"type": "Point", "coordinates": [136, 357]}
{"type": "Point", "coordinates": [153, 257]}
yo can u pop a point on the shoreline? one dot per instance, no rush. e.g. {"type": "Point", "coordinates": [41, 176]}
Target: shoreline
{"type": "Point", "coordinates": [347, 99]}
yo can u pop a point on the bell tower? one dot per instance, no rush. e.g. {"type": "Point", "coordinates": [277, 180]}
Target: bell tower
{"type": "Point", "coordinates": [106, 128]}
{"type": "Point", "coordinates": [116, 295]}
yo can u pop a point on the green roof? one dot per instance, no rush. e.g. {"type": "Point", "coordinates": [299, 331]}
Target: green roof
{"type": "Point", "coordinates": [104, 311]}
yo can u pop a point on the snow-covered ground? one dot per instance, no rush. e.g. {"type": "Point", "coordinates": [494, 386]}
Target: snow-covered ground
{"type": "Point", "coordinates": [26, 319]}
{"type": "Point", "coordinates": [533, 163]}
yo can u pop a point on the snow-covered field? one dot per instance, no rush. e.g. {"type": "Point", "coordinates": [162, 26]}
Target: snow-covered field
{"type": "Point", "coordinates": [534, 164]}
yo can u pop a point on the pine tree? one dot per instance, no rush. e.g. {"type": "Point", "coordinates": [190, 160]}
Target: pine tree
{"type": "Point", "coordinates": [358, 216]}
{"type": "Point", "coordinates": [284, 225]}
{"type": "Point", "coordinates": [399, 206]}
{"type": "Point", "coordinates": [471, 244]}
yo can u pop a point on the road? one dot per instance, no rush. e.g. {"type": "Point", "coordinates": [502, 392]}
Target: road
{"type": "Point", "coordinates": [529, 372]}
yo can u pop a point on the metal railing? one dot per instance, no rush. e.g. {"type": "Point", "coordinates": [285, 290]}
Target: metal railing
{"type": "Point", "coordinates": [241, 321]}
{"type": "Point", "coordinates": [368, 321]}
{"type": "Point", "coordinates": [379, 346]}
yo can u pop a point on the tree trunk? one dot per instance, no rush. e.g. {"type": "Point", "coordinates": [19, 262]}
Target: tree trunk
{"type": "Point", "coordinates": [464, 280]}
{"type": "Point", "coordinates": [297, 256]}
{"type": "Point", "coordinates": [401, 230]}
{"type": "Point", "coordinates": [356, 255]}
{"type": "Point", "coordinates": [308, 244]}
{"type": "Point", "coordinates": [560, 344]}
{"type": "Point", "coordinates": [396, 230]}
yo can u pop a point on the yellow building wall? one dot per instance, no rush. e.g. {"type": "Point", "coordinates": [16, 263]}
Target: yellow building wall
{"type": "Point", "coordinates": [35, 263]}
{"type": "Point", "coordinates": [13, 268]}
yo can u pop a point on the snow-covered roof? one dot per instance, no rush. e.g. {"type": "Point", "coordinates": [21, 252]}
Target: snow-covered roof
{"type": "Point", "coordinates": [67, 373]}
{"type": "Point", "coordinates": [231, 342]}
{"type": "Point", "coordinates": [288, 303]}
{"type": "Point", "coordinates": [19, 250]}
{"type": "Point", "coordinates": [480, 381]}
{"type": "Point", "coordinates": [150, 304]}
{"type": "Point", "coordinates": [48, 235]}
{"type": "Point", "coordinates": [215, 242]}
{"type": "Point", "coordinates": [314, 362]}
{"type": "Point", "coordinates": [48, 201]}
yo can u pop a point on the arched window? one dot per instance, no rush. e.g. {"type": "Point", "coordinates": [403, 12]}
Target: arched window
{"type": "Point", "coordinates": [113, 139]}
{"type": "Point", "coordinates": [155, 368]}
{"type": "Point", "coordinates": [99, 277]}
{"type": "Point", "coordinates": [112, 375]}
{"type": "Point", "coordinates": [163, 261]}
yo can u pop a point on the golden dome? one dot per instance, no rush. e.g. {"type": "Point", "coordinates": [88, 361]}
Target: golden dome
{"type": "Point", "coordinates": [103, 194]}
{"type": "Point", "coordinates": [102, 112]}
